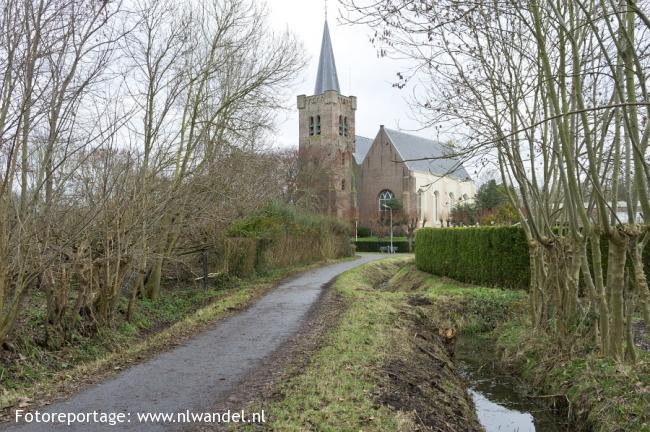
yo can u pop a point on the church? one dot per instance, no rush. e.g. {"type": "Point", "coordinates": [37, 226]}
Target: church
{"type": "Point", "coordinates": [359, 179]}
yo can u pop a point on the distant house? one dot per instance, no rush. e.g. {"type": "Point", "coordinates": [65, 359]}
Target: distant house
{"type": "Point", "coordinates": [622, 214]}
{"type": "Point", "coordinates": [360, 175]}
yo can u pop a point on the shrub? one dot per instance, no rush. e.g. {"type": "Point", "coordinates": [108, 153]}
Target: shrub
{"type": "Point", "coordinates": [240, 256]}
{"type": "Point", "coordinates": [373, 246]}
{"type": "Point", "coordinates": [495, 256]}
{"type": "Point", "coordinates": [363, 232]}
{"type": "Point", "coordinates": [274, 237]}
{"type": "Point", "coordinates": [285, 236]}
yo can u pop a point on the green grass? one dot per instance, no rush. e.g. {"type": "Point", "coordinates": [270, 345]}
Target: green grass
{"type": "Point", "coordinates": [179, 312]}
{"type": "Point", "coordinates": [333, 393]}
{"type": "Point", "coordinates": [604, 395]}
{"type": "Point", "coordinates": [474, 309]}
{"type": "Point", "coordinates": [608, 396]}
{"type": "Point", "coordinates": [336, 392]}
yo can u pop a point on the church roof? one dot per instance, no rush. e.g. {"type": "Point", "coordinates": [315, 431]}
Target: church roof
{"type": "Point", "coordinates": [361, 147]}
{"type": "Point", "coordinates": [327, 78]}
{"type": "Point", "coordinates": [415, 147]}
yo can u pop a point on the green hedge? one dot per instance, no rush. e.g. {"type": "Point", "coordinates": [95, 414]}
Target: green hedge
{"type": "Point", "coordinates": [279, 236]}
{"type": "Point", "coordinates": [373, 246]}
{"type": "Point", "coordinates": [363, 232]}
{"type": "Point", "coordinates": [240, 256]}
{"type": "Point", "coordinates": [496, 256]}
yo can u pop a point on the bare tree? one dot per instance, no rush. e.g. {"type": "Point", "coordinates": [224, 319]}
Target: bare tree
{"type": "Point", "coordinates": [53, 54]}
{"type": "Point", "coordinates": [550, 93]}
{"type": "Point", "coordinates": [233, 67]}
{"type": "Point", "coordinates": [127, 130]}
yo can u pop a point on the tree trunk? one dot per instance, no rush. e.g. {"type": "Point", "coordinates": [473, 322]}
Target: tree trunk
{"type": "Point", "coordinates": [616, 281]}
{"type": "Point", "coordinates": [152, 288]}
{"type": "Point", "coordinates": [641, 281]}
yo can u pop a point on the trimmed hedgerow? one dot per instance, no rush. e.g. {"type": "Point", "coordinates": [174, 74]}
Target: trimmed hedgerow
{"type": "Point", "coordinates": [495, 256]}
{"type": "Point", "coordinates": [363, 232]}
{"type": "Point", "coordinates": [374, 246]}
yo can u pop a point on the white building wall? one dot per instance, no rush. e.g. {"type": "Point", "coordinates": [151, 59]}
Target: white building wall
{"type": "Point", "coordinates": [434, 210]}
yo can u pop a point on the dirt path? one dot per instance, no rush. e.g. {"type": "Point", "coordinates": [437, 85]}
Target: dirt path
{"type": "Point", "coordinates": [206, 369]}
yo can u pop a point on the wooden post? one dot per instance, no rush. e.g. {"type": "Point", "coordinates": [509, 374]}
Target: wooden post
{"type": "Point", "coordinates": [205, 269]}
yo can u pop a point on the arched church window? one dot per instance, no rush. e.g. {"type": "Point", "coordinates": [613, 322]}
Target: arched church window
{"type": "Point", "coordinates": [384, 198]}
{"type": "Point", "coordinates": [318, 125]}
{"type": "Point", "coordinates": [311, 126]}
{"type": "Point", "coordinates": [343, 184]}
{"type": "Point", "coordinates": [343, 159]}
{"type": "Point", "coordinates": [345, 126]}
{"type": "Point", "coordinates": [340, 125]}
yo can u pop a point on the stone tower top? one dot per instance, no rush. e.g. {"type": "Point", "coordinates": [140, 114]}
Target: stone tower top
{"type": "Point", "coordinates": [327, 78]}
{"type": "Point", "coordinates": [326, 141]}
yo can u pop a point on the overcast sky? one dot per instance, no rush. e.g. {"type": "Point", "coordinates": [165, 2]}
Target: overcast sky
{"type": "Point", "coordinates": [361, 73]}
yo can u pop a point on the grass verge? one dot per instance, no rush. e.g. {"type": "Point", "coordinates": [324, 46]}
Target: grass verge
{"type": "Point", "coordinates": [382, 367]}
{"type": "Point", "coordinates": [596, 394]}
{"type": "Point", "coordinates": [599, 394]}
{"type": "Point", "coordinates": [31, 375]}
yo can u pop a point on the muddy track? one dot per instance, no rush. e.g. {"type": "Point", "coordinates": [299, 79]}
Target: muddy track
{"type": "Point", "coordinates": [207, 369]}
{"type": "Point", "coordinates": [262, 385]}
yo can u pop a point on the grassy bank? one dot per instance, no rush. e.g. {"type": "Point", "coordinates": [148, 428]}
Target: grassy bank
{"type": "Point", "coordinates": [598, 394]}
{"type": "Point", "coordinates": [31, 374]}
{"type": "Point", "coordinates": [383, 367]}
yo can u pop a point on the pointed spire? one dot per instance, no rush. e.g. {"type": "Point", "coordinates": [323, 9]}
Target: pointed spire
{"type": "Point", "coordinates": [327, 79]}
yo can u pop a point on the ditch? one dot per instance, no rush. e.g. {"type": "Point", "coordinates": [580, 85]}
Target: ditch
{"type": "Point", "coordinates": [502, 402]}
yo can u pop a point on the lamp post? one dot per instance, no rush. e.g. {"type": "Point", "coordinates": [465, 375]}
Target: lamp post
{"type": "Point", "coordinates": [391, 226]}
{"type": "Point", "coordinates": [356, 230]}
{"type": "Point", "coordinates": [436, 196]}
{"type": "Point", "coordinates": [420, 209]}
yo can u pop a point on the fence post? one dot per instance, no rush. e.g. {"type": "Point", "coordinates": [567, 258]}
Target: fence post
{"type": "Point", "coordinates": [205, 269]}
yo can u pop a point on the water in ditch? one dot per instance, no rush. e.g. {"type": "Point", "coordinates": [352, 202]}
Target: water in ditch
{"type": "Point", "coordinates": [502, 404]}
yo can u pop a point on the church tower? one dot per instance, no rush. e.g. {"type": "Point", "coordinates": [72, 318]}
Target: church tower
{"type": "Point", "coordinates": [326, 140]}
